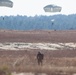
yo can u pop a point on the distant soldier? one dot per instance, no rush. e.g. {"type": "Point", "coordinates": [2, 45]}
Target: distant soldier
{"type": "Point", "coordinates": [40, 57]}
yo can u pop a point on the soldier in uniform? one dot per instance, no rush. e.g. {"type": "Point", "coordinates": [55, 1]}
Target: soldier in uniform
{"type": "Point", "coordinates": [40, 58]}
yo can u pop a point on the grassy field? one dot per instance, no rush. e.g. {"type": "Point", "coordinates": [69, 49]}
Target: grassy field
{"type": "Point", "coordinates": [56, 62]}
{"type": "Point", "coordinates": [25, 61]}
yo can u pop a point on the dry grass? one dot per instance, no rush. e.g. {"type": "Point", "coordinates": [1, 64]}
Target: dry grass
{"type": "Point", "coordinates": [25, 61]}
{"type": "Point", "coordinates": [55, 62]}
{"type": "Point", "coordinates": [37, 36]}
{"type": "Point", "coordinates": [5, 70]}
{"type": "Point", "coordinates": [46, 69]}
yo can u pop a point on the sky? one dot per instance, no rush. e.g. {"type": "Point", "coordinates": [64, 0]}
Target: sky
{"type": "Point", "coordinates": [35, 7]}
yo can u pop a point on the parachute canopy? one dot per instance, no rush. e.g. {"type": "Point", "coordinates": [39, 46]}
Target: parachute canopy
{"type": "Point", "coordinates": [52, 8]}
{"type": "Point", "coordinates": [6, 3]}
{"type": "Point", "coordinates": [53, 20]}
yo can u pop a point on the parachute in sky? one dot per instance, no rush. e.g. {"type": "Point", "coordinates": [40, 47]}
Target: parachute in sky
{"type": "Point", "coordinates": [52, 8]}
{"type": "Point", "coordinates": [52, 21]}
{"type": "Point", "coordinates": [6, 3]}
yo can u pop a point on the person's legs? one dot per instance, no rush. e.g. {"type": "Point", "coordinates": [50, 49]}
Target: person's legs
{"type": "Point", "coordinates": [41, 62]}
{"type": "Point", "coordinates": [38, 62]}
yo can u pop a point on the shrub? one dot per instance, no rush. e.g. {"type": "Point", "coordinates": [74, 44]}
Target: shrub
{"type": "Point", "coordinates": [4, 70]}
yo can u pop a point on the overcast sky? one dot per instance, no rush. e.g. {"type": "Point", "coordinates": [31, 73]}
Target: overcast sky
{"type": "Point", "coordinates": [35, 7]}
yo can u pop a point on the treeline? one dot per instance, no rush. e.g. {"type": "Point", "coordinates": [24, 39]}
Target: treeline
{"type": "Point", "coordinates": [55, 22]}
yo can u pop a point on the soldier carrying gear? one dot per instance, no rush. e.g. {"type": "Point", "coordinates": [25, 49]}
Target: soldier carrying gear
{"type": "Point", "coordinates": [40, 58]}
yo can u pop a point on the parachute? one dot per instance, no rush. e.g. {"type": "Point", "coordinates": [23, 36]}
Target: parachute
{"type": "Point", "coordinates": [52, 21]}
{"type": "Point", "coordinates": [52, 8]}
{"type": "Point", "coordinates": [6, 3]}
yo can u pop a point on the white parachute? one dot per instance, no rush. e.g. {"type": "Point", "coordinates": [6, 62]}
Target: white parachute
{"type": "Point", "coordinates": [52, 8]}
{"type": "Point", "coordinates": [6, 3]}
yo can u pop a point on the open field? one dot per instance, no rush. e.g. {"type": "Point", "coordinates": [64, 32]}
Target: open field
{"type": "Point", "coordinates": [57, 62]}
{"type": "Point", "coordinates": [18, 50]}
{"type": "Point", "coordinates": [35, 36]}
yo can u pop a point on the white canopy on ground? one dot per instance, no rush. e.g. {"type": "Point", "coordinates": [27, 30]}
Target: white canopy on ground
{"type": "Point", "coordinates": [40, 46]}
